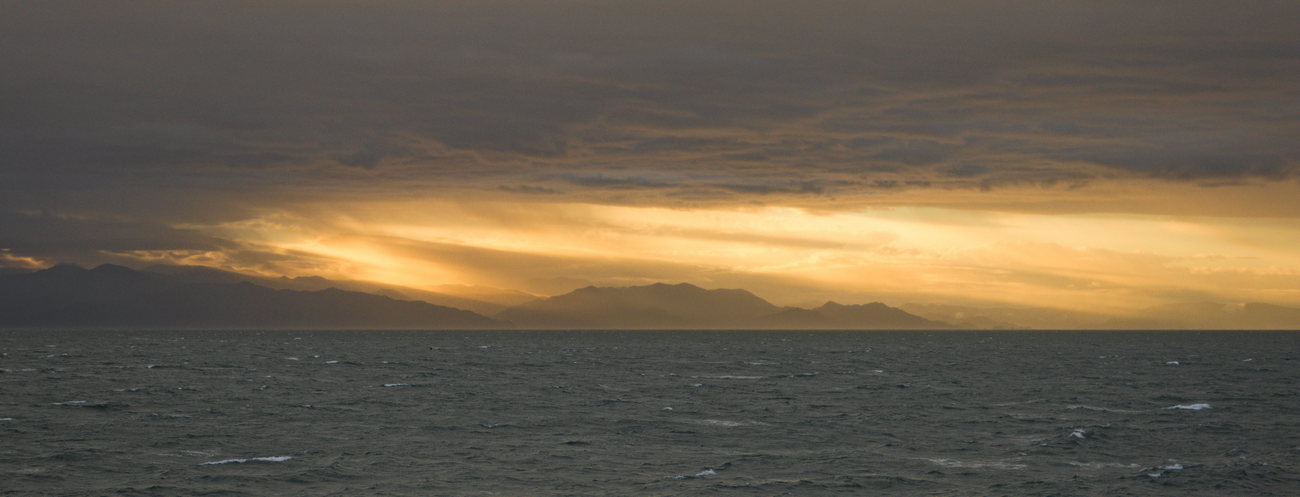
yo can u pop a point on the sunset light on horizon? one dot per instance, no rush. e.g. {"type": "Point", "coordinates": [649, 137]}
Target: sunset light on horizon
{"type": "Point", "coordinates": [1090, 156]}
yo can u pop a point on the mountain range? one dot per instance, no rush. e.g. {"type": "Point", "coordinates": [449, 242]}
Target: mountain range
{"type": "Point", "coordinates": [195, 297]}
{"type": "Point", "coordinates": [115, 296]}
{"type": "Point", "coordinates": [200, 297]}
{"type": "Point", "coordinates": [482, 300]}
{"type": "Point", "coordinates": [664, 306]}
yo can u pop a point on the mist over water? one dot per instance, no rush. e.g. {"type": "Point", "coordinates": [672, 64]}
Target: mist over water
{"type": "Point", "coordinates": [650, 413]}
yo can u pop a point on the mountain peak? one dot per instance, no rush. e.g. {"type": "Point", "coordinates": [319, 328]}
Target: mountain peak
{"type": "Point", "coordinates": [657, 305]}
{"type": "Point", "coordinates": [112, 269]}
{"type": "Point", "coordinates": [64, 268]}
{"type": "Point", "coordinates": [116, 296]}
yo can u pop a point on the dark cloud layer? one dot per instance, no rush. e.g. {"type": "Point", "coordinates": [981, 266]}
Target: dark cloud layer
{"type": "Point", "coordinates": [719, 99]}
{"type": "Point", "coordinates": [43, 235]}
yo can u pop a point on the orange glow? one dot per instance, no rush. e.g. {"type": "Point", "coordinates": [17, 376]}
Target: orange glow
{"type": "Point", "coordinates": [1101, 262]}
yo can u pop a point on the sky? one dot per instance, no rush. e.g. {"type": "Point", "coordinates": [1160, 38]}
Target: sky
{"type": "Point", "coordinates": [1097, 155]}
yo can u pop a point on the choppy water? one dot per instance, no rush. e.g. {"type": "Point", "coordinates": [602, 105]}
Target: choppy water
{"type": "Point", "coordinates": [650, 413]}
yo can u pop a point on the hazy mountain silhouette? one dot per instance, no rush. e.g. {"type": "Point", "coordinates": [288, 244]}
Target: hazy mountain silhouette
{"type": "Point", "coordinates": [832, 315]}
{"type": "Point", "coordinates": [201, 297]}
{"type": "Point", "coordinates": [481, 300]}
{"type": "Point", "coordinates": [116, 296]}
{"type": "Point", "coordinates": [1178, 316]}
{"type": "Point", "coordinates": [1213, 316]}
{"type": "Point", "coordinates": [999, 318]}
{"type": "Point", "coordinates": [688, 306]}
{"type": "Point", "coordinates": [646, 307]}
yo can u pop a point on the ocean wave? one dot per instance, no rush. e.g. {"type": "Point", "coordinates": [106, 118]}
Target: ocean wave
{"type": "Point", "coordinates": [953, 463]}
{"type": "Point", "coordinates": [725, 423]}
{"type": "Point", "coordinates": [251, 459]}
{"type": "Point", "coordinates": [702, 474]}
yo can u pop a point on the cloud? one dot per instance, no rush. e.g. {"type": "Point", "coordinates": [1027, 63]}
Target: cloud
{"type": "Point", "coordinates": [90, 240]}
{"type": "Point", "coordinates": [702, 89]}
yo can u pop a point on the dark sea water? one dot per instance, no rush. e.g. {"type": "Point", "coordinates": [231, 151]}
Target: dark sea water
{"type": "Point", "coordinates": [650, 413]}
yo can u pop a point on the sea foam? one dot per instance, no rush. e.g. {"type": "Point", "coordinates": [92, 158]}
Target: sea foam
{"type": "Point", "coordinates": [702, 474]}
{"type": "Point", "coordinates": [1191, 407]}
{"type": "Point", "coordinates": [251, 459]}
{"type": "Point", "coordinates": [725, 423]}
{"type": "Point", "coordinates": [1165, 469]}
{"type": "Point", "coordinates": [953, 463]}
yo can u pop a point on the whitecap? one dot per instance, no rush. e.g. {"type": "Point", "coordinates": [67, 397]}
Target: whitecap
{"type": "Point", "coordinates": [702, 474]}
{"type": "Point", "coordinates": [1171, 363]}
{"type": "Point", "coordinates": [730, 377]}
{"type": "Point", "coordinates": [390, 385]}
{"type": "Point", "coordinates": [725, 423]}
{"type": "Point", "coordinates": [1103, 465]}
{"type": "Point", "coordinates": [1079, 433]}
{"type": "Point", "coordinates": [953, 463]}
{"type": "Point", "coordinates": [1102, 409]}
{"type": "Point", "coordinates": [251, 459]}
{"type": "Point", "coordinates": [719, 422]}
{"type": "Point", "coordinates": [1190, 407]}
{"type": "Point", "coordinates": [6, 419]}
{"type": "Point", "coordinates": [331, 362]}
{"type": "Point", "coordinates": [1165, 469]}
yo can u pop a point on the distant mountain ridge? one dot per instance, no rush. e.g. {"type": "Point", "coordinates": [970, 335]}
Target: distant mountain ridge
{"type": "Point", "coordinates": [1213, 316]}
{"type": "Point", "coordinates": [202, 297]}
{"type": "Point", "coordinates": [1176, 316]}
{"type": "Point", "coordinates": [116, 296]}
{"type": "Point", "coordinates": [476, 299]}
{"type": "Point", "coordinates": [832, 315]}
{"type": "Point", "coordinates": [683, 305]}
{"type": "Point", "coordinates": [653, 306]}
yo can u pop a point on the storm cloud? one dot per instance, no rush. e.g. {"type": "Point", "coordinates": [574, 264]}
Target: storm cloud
{"type": "Point", "coordinates": [710, 91]}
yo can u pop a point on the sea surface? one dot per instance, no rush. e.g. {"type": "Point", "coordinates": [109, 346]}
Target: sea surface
{"type": "Point", "coordinates": [672, 413]}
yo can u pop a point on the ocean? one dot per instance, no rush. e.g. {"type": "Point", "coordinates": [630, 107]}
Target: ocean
{"type": "Point", "coordinates": [646, 413]}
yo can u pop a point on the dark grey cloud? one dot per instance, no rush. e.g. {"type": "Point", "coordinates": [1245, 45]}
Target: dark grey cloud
{"type": "Point", "coordinates": [94, 240]}
{"type": "Point", "coordinates": [615, 182]}
{"type": "Point", "coordinates": [715, 98]}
